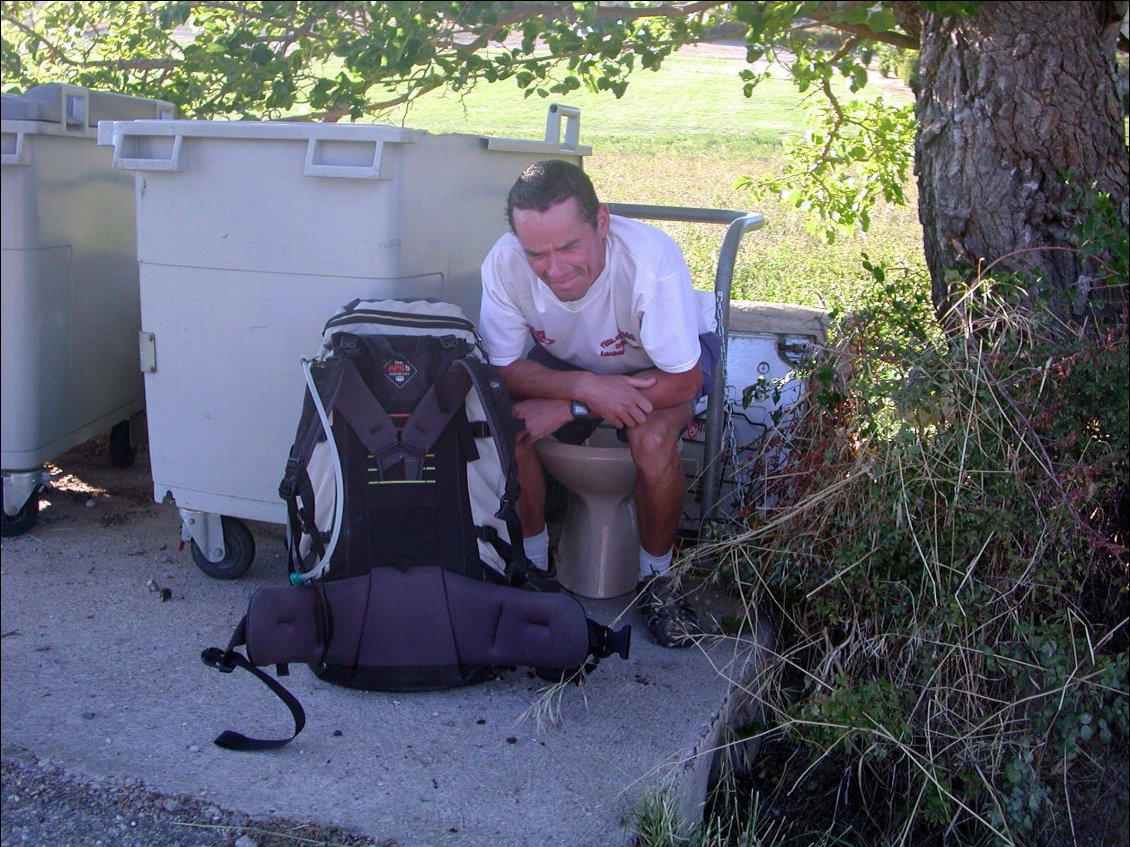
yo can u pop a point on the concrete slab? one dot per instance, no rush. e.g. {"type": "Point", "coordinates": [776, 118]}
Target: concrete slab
{"type": "Point", "coordinates": [103, 675]}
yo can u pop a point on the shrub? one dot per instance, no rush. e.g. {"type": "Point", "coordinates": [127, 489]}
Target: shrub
{"type": "Point", "coordinates": [946, 565]}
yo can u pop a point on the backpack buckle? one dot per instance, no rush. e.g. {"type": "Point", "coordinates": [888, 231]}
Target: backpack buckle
{"type": "Point", "coordinates": [604, 641]}
{"type": "Point", "coordinates": [290, 478]}
{"type": "Point", "coordinates": [216, 658]}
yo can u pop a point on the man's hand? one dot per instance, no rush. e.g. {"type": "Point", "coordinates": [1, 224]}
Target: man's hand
{"type": "Point", "coordinates": [619, 399]}
{"type": "Point", "coordinates": [542, 417]}
{"type": "Point", "coordinates": [543, 395]}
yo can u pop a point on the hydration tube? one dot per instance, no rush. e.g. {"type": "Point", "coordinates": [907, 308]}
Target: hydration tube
{"type": "Point", "coordinates": [339, 483]}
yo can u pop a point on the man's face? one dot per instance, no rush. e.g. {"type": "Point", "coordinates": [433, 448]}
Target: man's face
{"type": "Point", "coordinates": [563, 249]}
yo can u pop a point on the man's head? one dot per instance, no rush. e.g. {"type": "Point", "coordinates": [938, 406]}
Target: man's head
{"type": "Point", "coordinates": [545, 184]}
{"type": "Point", "coordinates": [561, 226]}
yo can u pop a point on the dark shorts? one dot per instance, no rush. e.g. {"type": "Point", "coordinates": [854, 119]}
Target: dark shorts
{"type": "Point", "coordinates": [710, 345]}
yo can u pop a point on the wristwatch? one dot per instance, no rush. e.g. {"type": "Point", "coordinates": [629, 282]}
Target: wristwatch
{"type": "Point", "coordinates": [579, 410]}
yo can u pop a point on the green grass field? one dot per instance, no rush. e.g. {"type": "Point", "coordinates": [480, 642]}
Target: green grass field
{"type": "Point", "coordinates": [683, 137]}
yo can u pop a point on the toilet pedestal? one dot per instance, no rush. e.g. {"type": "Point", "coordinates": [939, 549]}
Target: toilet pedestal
{"type": "Point", "coordinates": [598, 552]}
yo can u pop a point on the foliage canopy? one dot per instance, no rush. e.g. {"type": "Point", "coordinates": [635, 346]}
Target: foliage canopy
{"type": "Point", "coordinates": [264, 60]}
{"type": "Point", "coordinates": [359, 60]}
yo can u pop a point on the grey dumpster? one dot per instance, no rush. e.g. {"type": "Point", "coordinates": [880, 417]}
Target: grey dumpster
{"type": "Point", "coordinates": [250, 235]}
{"type": "Point", "coordinates": [68, 272]}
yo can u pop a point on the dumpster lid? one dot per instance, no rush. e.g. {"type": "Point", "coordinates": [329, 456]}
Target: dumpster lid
{"type": "Point", "coordinates": [16, 107]}
{"type": "Point", "coordinates": [265, 130]}
{"type": "Point", "coordinates": [54, 101]}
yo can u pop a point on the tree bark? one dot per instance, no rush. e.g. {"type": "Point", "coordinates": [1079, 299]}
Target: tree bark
{"type": "Point", "coordinates": [1020, 123]}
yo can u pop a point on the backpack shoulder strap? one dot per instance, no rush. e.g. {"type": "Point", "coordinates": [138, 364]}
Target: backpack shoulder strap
{"type": "Point", "coordinates": [327, 379]}
{"type": "Point", "coordinates": [365, 415]}
{"type": "Point", "coordinates": [503, 427]}
{"type": "Point", "coordinates": [436, 408]}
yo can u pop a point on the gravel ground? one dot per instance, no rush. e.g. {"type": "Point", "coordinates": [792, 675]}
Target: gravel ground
{"type": "Point", "coordinates": [43, 806]}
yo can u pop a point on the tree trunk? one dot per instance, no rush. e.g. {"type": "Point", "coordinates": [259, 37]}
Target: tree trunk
{"type": "Point", "coordinates": [1020, 123]}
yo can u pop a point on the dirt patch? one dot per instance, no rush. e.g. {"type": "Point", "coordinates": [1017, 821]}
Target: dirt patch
{"type": "Point", "coordinates": [797, 800]}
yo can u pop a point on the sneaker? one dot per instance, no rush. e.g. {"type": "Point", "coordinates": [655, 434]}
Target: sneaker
{"type": "Point", "coordinates": [546, 580]}
{"type": "Point", "coordinates": [671, 620]}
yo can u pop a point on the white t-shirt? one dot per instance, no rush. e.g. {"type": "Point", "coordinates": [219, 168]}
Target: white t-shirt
{"type": "Point", "coordinates": [641, 312]}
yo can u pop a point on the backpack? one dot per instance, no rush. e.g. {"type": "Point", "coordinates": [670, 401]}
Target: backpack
{"type": "Point", "coordinates": [406, 564]}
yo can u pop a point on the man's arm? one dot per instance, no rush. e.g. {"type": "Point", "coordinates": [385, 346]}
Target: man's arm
{"type": "Point", "coordinates": [543, 394]}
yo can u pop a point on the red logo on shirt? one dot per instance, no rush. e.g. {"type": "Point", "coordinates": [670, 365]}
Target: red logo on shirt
{"type": "Point", "coordinates": [615, 346]}
{"type": "Point", "coordinates": [541, 338]}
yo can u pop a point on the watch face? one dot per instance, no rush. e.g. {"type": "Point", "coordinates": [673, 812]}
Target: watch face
{"type": "Point", "coordinates": [579, 409]}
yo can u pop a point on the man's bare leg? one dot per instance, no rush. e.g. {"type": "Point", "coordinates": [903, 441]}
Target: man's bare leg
{"type": "Point", "coordinates": [660, 484]}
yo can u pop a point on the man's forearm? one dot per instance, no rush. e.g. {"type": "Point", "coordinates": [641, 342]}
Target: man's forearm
{"type": "Point", "coordinates": [672, 389]}
{"type": "Point", "coordinates": [525, 380]}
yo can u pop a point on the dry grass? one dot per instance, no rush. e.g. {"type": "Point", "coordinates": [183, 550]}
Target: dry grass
{"type": "Point", "coordinates": [781, 262]}
{"type": "Point", "coordinates": [947, 568]}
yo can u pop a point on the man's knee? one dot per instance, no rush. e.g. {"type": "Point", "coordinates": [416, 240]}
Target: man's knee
{"type": "Point", "coordinates": [654, 448]}
{"type": "Point", "coordinates": [646, 442]}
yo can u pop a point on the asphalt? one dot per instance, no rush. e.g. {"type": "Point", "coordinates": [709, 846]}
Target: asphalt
{"type": "Point", "coordinates": [104, 620]}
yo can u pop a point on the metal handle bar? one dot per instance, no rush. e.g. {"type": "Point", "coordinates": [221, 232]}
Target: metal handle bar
{"type": "Point", "coordinates": [739, 224]}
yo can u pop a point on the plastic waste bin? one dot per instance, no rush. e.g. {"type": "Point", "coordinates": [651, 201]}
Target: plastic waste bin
{"type": "Point", "coordinates": [250, 235]}
{"type": "Point", "coordinates": [68, 273]}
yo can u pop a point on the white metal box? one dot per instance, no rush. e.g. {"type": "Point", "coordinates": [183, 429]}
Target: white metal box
{"type": "Point", "coordinates": [765, 344]}
{"type": "Point", "coordinates": [68, 273]}
{"type": "Point", "coordinates": [251, 235]}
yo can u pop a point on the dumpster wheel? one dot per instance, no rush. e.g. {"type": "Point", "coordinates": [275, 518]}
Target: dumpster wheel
{"type": "Point", "coordinates": [239, 550]}
{"type": "Point", "coordinates": [21, 521]}
{"type": "Point", "coordinates": [123, 450]}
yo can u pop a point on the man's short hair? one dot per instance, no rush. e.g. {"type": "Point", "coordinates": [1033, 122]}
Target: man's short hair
{"type": "Point", "coordinates": [545, 184]}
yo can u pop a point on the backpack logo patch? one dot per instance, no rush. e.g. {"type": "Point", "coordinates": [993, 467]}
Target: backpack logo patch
{"type": "Point", "coordinates": [399, 371]}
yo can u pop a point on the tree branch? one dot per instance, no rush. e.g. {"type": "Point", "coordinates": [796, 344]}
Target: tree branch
{"type": "Point", "coordinates": [565, 10]}
{"type": "Point", "coordinates": [134, 64]}
{"type": "Point", "coordinates": [57, 54]}
{"type": "Point", "coordinates": [822, 13]}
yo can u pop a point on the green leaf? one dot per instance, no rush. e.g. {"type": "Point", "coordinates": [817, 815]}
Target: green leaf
{"type": "Point", "coordinates": [261, 54]}
{"type": "Point", "coordinates": [881, 19]}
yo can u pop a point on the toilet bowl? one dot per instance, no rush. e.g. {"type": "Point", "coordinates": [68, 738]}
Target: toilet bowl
{"type": "Point", "coordinates": [598, 552]}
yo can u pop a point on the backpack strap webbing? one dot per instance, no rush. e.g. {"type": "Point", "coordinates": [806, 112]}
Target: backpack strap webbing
{"type": "Point", "coordinates": [227, 661]}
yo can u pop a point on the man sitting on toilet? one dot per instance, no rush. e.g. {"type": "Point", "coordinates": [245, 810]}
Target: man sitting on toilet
{"type": "Point", "coordinates": [618, 335]}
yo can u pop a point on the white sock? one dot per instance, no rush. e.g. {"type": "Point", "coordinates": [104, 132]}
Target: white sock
{"type": "Point", "coordinates": [537, 549]}
{"type": "Point", "coordinates": [653, 565]}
